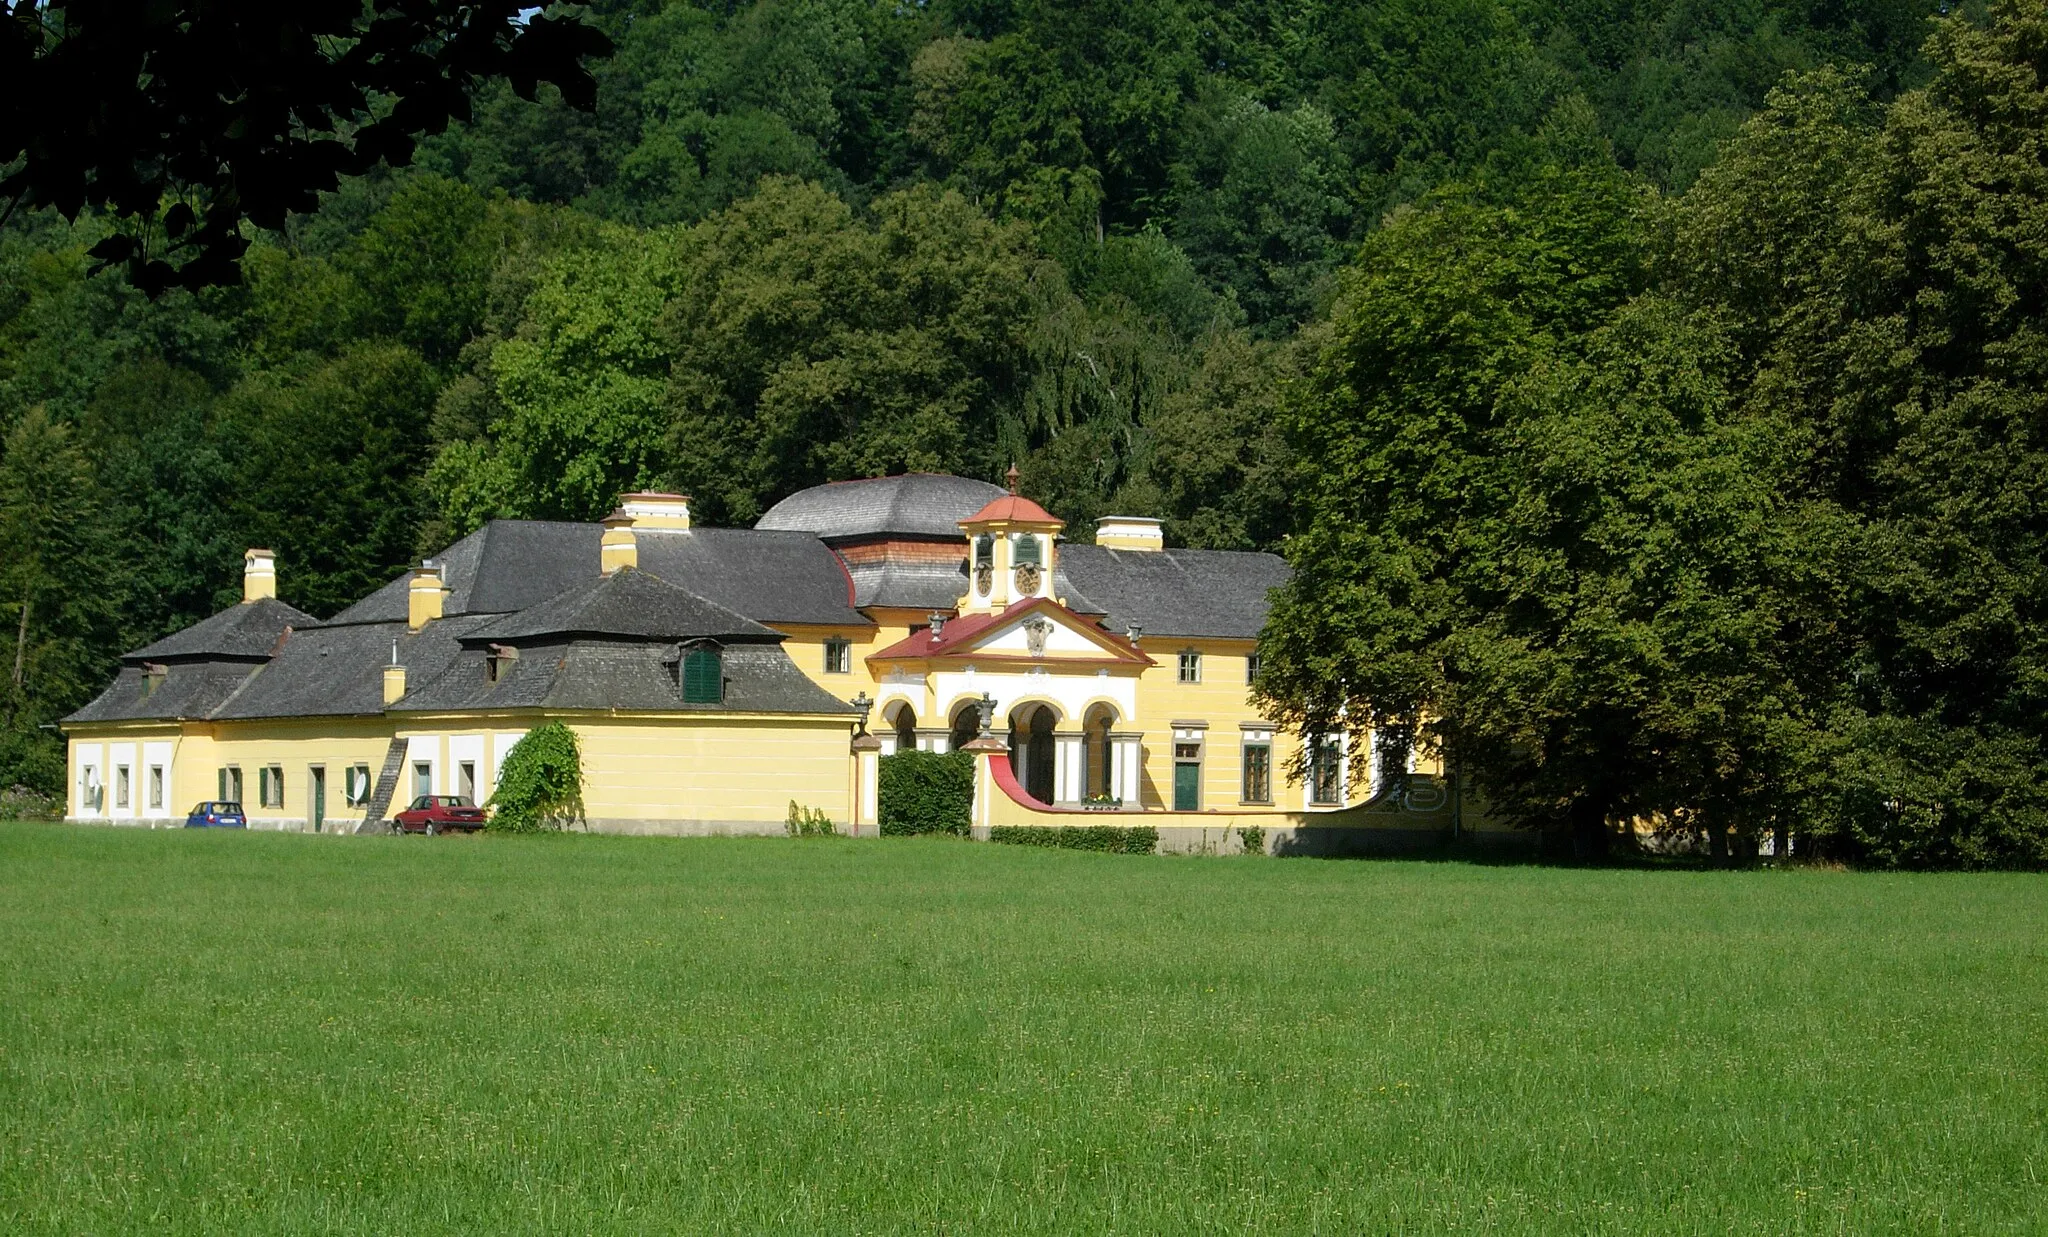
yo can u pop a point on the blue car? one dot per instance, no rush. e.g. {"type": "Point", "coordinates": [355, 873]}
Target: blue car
{"type": "Point", "coordinates": [217, 816]}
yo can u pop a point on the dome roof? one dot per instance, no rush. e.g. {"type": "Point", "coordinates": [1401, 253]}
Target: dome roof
{"type": "Point", "coordinates": [1013, 507]}
{"type": "Point", "coordinates": [918, 504]}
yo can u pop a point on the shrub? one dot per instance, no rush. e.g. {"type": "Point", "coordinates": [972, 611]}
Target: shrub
{"type": "Point", "coordinates": [1254, 839]}
{"type": "Point", "coordinates": [540, 787]}
{"type": "Point", "coordinates": [807, 822]}
{"type": "Point", "coordinates": [926, 792]}
{"type": "Point", "coordinates": [1109, 839]}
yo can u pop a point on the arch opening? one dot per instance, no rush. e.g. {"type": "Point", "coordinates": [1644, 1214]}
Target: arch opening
{"type": "Point", "coordinates": [1031, 749]}
{"type": "Point", "coordinates": [1097, 779]}
{"type": "Point", "coordinates": [964, 726]}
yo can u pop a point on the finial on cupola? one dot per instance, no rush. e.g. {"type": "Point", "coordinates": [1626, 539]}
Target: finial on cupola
{"type": "Point", "coordinates": [1012, 475]}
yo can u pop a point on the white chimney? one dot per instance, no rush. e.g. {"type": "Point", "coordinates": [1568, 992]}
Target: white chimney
{"type": "Point", "coordinates": [259, 575]}
{"type": "Point", "coordinates": [1129, 532]}
{"type": "Point", "coordinates": [652, 509]}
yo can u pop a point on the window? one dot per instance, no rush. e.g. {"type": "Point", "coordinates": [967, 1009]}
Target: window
{"type": "Point", "coordinates": [1258, 770]}
{"type": "Point", "coordinates": [230, 789]}
{"type": "Point", "coordinates": [120, 786]}
{"type": "Point", "coordinates": [838, 657]}
{"type": "Point", "coordinates": [270, 786]}
{"type": "Point", "coordinates": [1326, 770]}
{"type": "Point", "coordinates": [355, 786]}
{"type": "Point", "coordinates": [1024, 551]}
{"type": "Point", "coordinates": [465, 779]}
{"type": "Point", "coordinates": [422, 777]}
{"type": "Point", "coordinates": [703, 677]}
{"type": "Point", "coordinates": [1190, 667]}
{"type": "Point", "coordinates": [1251, 668]}
{"type": "Point", "coordinates": [156, 787]}
{"type": "Point", "coordinates": [90, 792]}
{"type": "Point", "coordinates": [497, 659]}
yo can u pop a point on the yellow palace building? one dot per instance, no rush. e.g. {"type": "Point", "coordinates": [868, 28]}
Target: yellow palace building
{"type": "Point", "coordinates": [714, 675]}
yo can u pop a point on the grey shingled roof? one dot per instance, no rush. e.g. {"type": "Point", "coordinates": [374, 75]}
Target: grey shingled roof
{"type": "Point", "coordinates": [628, 605]}
{"type": "Point", "coordinates": [509, 565]}
{"type": "Point", "coordinates": [937, 586]}
{"type": "Point", "coordinates": [609, 674]}
{"type": "Point", "coordinates": [771, 577]}
{"type": "Point", "coordinates": [248, 632]}
{"type": "Point", "coordinates": [920, 586]}
{"type": "Point", "coordinates": [188, 690]}
{"type": "Point", "coordinates": [338, 671]}
{"type": "Point", "coordinates": [918, 504]}
{"type": "Point", "coordinates": [1219, 594]}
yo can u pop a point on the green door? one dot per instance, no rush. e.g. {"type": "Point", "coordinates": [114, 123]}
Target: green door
{"type": "Point", "coordinates": [319, 791]}
{"type": "Point", "coordinates": [1187, 787]}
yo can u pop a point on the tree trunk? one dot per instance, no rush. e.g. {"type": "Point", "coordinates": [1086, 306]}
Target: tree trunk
{"type": "Point", "coordinates": [1781, 842]}
{"type": "Point", "coordinates": [1589, 833]}
{"type": "Point", "coordinates": [20, 654]}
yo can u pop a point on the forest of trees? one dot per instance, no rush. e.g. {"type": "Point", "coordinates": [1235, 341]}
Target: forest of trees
{"type": "Point", "coordinates": [1647, 394]}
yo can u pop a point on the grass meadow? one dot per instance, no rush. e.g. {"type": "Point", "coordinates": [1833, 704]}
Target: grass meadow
{"type": "Point", "coordinates": [228, 1032]}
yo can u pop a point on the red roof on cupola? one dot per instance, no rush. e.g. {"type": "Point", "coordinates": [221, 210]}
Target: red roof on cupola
{"type": "Point", "coordinates": [1012, 507]}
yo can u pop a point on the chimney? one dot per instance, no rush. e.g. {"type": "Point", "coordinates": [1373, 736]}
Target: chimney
{"type": "Point", "coordinates": [620, 548]}
{"type": "Point", "coordinates": [259, 575]}
{"type": "Point", "coordinates": [394, 677]}
{"type": "Point", "coordinates": [423, 596]}
{"type": "Point", "coordinates": [652, 510]}
{"type": "Point", "coordinates": [1129, 532]}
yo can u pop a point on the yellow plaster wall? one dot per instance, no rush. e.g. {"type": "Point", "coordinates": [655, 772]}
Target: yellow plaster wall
{"type": "Point", "coordinates": [806, 647]}
{"type": "Point", "coordinates": [720, 773]}
{"type": "Point", "coordinates": [138, 734]}
{"type": "Point", "coordinates": [294, 746]}
{"type": "Point", "coordinates": [1223, 700]}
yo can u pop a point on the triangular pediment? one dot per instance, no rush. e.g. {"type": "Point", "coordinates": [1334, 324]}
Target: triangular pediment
{"type": "Point", "coordinates": [1039, 631]}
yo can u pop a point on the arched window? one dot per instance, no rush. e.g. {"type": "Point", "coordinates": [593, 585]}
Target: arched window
{"type": "Point", "coordinates": [966, 726]}
{"type": "Point", "coordinates": [703, 675]}
{"type": "Point", "coordinates": [1024, 551]}
{"type": "Point", "coordinates": [905, 726]}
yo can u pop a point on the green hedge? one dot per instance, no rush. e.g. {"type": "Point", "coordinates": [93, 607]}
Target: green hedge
{"type": "Point", "coordinates": [1109, 839]}
{"type": "Point", "coordinates": [926, 792]}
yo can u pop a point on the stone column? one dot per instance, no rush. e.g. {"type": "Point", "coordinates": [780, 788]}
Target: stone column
{"type": "Point", "coordinates": [867, 766]}
{"type": "Point", "coordinates": [1126, 765]}
{"type": "Point", "coordinates": [1069, 753]}
{"type": "Point", "coordinates": [985, 792]}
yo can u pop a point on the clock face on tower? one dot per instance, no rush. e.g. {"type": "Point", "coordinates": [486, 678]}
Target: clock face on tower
{"type": "Point", "coordinates": [1027, 579]}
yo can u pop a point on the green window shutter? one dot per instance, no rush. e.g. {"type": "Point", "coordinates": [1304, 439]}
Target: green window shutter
{"type": "Point", "coordinates": [703, 677]}
{"type": "Point", "coordinates": [1187, 787]}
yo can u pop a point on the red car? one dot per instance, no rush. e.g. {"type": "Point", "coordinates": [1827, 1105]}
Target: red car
{"type": "Point", "coordinates": [432, 814]}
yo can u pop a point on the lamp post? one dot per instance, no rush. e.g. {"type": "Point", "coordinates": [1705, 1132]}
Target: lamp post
{"type": "Point", "coordinates": [865, 706]}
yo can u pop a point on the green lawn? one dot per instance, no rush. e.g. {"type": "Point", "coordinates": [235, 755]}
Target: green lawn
{"type": "Point", "coordinates": [251, 1032]}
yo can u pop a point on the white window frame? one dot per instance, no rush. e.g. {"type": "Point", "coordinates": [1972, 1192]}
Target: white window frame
{"type": "Point", "coordinates": [1190, 666]}
{"type": "Point", "coordinates": [838, 656]}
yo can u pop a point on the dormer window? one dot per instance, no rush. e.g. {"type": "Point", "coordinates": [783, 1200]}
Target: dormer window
{"type": "Point", "coordinates": [498, 660]}
{"type": "Point", "coordinates": [701, 674]}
